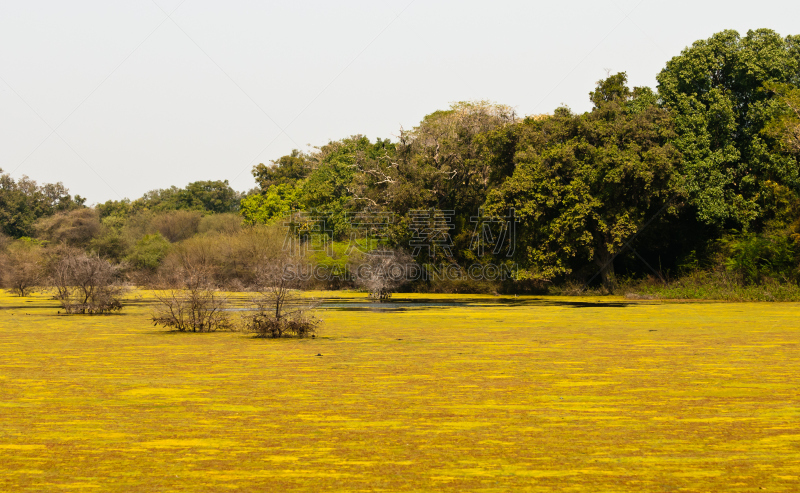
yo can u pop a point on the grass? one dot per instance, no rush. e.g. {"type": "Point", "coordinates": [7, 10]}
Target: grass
{"type": "Point", "coordinates": [702, 285]}
{"type": "Point", "coordinates": [567, 394]}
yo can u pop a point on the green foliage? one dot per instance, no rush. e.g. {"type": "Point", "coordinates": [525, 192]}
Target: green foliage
{"type": "Point", "coordinates": [209, 196]}
{"type": "Point", "coordinates": [328, 190]}
{"type": "Point", "coordinates": [785, 125]}
{"type": "Point", "coordinates": [118, 208]}
{"type": "Point", "coordinates": [203, 196]}
{"type": "Point", "coordinates": [753, 258]}
{"type": "Point", "coordinates": [444, 156]}
{"type": "Point", "coordinates": [288, 170]}
{"type": "Point", "coordinates": [149, 251]}
{"type": "Point", "coordinates": [613, 88]}
{"type": "Point", "coordinates": [584, 184]}
{"type": "Point", "coordinates": [110, 244]}
{"type": "Point", "coordinates": [714, 90]}
{"type": "Point", "coordinates": [270, 206]}
{"type": "Point", "coordinates": [715, 149]}
{"type": "Point", "coordinates": [23, 201]}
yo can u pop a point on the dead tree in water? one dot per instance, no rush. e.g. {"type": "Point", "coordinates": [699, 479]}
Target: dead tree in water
{"type": "Point", "coordinates": [382, 271]}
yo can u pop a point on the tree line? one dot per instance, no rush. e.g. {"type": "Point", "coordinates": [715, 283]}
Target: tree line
{"type": "Point", "coordinates": [699, 174]}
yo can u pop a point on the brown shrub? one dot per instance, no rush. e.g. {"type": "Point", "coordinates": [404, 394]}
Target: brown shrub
{"type": "Point", "coordinates": [84, 283]}
{"type": "Point", "coordinates": [228, 223]}
{"type": "Point", "coordinates": [188, 299]}
{"type": "Point", "coordinates": [177, 225]}
{"type": "Point", "coordinates": [22, 267]}
{"type": "Point", "coordinates": [279, 310]}
{"type": "Point", "coordinates": [76, 227]}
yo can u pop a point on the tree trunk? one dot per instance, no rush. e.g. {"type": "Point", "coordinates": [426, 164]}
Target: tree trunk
{"type": "Point", "coordinates": [604, 260]}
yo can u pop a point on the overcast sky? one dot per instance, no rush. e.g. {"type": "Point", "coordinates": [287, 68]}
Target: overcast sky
{"type": "Point", "coordinates": [115, 98]}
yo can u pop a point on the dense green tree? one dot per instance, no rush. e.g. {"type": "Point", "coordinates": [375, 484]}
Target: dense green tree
{"type": "Point", "coordinates": [288, 170]}
{"type": "Point", "coordinates": [328, 189]}
{"type": "Point", "coordinates": [23, 201]}
{"type": "Point", "coordinates": [715, 90]}
{"type": "Point", "coordinates": [583, 185]}
{"type": "Point", "coordinates": [110, 244]}
{"type": "Point", "coordinates": [273, 204]}
{"type": "Point", "coordinates": [149, 251]}
{"type": "Point", "coordinates": [443, 156]}
{"type": "Point", "coordinates": [209, 196]}
{"type": "Point", "coordinates": [324, 182]}
{"type": "Point", "coordinates": [785, 126]}
{"type": "Point", "coordinates": [116, 208]}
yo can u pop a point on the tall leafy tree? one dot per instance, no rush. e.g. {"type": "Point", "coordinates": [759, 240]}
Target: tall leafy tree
{"type": "Point", "coordinates": [330, 188]}
{"type": "Point", "coordinates": [287, 170]}
{"type": "Point", "coordinates": [444, 154]}
{"type": "Point", "coordinates": [210, 196]}
{"type": "Point", "coordinates": [785, 126]}
{"type": "Point", "coordinates": [24, 201]}
{"type": "Point", "coordinates": [584, 184]}
{"type": "Point", "coordinates": [715, 89]}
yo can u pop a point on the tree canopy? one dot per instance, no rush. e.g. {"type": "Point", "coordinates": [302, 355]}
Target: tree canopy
{"type": "Point", "coordinates": [583, 185]}
{"type": "Point", "coordinates": [715, 89]}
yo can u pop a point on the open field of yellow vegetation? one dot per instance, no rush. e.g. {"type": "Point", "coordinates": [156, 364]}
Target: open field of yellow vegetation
{"type": "Point", "coordinates": [564, 394]}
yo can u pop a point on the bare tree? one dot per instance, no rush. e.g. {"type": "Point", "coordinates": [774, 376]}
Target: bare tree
{"type": "Point", "coordinates": [279, 308]}
{"type": "Point", "coordinates": [188, 298]}
{"type": "Point", "coordinates": [382, 271]}
{"type": "Point", "coordinates": [85, 283]}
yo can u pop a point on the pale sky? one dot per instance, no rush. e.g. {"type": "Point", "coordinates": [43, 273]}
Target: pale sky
{"type": "Point", "coordinates": [115, 98]}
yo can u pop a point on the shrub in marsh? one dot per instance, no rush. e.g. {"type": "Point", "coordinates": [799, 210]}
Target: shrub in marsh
{"type": "Point", "coordinates": [188, 299]}
{"type": "Point", "coordinates": [22, 267]}
{"type": "Point", "coordinates": [85, 283]}
{"type": "Point", "coordinates": [278, 308]}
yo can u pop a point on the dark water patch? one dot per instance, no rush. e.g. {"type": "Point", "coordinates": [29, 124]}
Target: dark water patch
{"type": "Point", "coordinates": [399, 304]}
{"type": "Point", "coordinates": [27, 307]}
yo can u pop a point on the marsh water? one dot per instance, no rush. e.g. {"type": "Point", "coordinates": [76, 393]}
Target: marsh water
{"type": "Point", "coordinates": [402, 304]}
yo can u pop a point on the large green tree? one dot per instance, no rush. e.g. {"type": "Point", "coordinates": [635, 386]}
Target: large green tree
{"type": "Point", "coordinates": [715, 90]}
{"type": "Point", "coordinates": [287, 170]}
{"type": "Point", "coordinates": [24, 201]}
{"type": "Point", "coordinates": [583, 185]}
{"type": "Point", "coordinates": [329, 181]}
{"type": "Point", "coordinates": [785, 126]}
{"type": "Point", "coordinates": [210, 196]}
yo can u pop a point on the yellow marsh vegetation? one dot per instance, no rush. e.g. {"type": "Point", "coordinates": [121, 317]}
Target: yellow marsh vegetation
{"type": "Point", "coordinates": [561, 394]}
